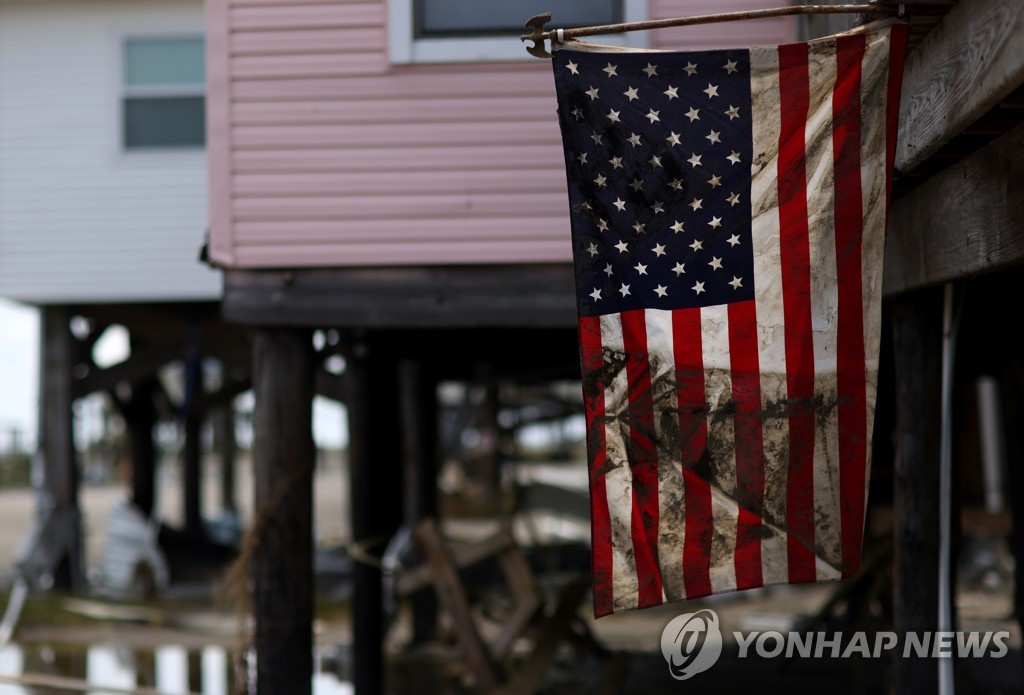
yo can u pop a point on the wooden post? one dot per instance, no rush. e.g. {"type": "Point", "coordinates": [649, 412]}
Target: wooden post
{"type": "Point", "coordinates": [140, 418]}
{"type": "Point", "coordinates": [418, 402]}
{"type": "Point", "coordinates": [56, 440]}
{"type": "Point", "coordinates": [375, 456]}
{"type": "Point", "coordinates": [283, 457]}
{"type": "Point", "coordinates": [917, 344]}
{"type": "Point", "coordinates": [193, 478]}
{"type": "Point", "coordinates": [223, 420]}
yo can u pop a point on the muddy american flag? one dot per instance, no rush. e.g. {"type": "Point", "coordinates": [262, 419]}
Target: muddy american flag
{"type": "Point", "coordinates": [728, 219]}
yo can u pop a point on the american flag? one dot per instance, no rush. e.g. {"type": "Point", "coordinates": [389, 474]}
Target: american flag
{"type": "Point", "coordinates": [728, 221]}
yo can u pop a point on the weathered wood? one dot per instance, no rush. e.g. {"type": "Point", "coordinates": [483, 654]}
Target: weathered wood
{"type": "Point", "coordinates": [138, 366]}
{"type": "Point", "coordinates": [283, 458]}
{"type": "Point", "coordinates": [223, 420]}
{"type": "Point", "coordinates": [140, 417]}
{"type": "Point", "coordinates": [192, 480]}
{"type": "Point", "coordinates": [462, 555]}
{"type": "Point", "coordinates": [917, 334]}
{"type": "Point", "coordinates": [525, 295]}
{"type": "Point", "coordinates": [961, 69]}
{"type": "Point", "coordinates": [966, 220]}
{"type": "Point", "coordinates": [453, 597]}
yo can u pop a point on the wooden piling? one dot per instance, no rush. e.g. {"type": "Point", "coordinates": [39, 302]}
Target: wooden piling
{"type": "Point", "coordinates": [140, 418]}
{"type": "Point", "coordinates": [283, 458]}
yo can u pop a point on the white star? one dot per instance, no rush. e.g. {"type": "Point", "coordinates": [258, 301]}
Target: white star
{"type": "Point", "coordinates": [690, 69]}
{"type": "Point", "coordinates": [624, 290]}
{"type": "Point", "coordinates": [715, 222]}
{"type": "Point", "coordinates": [698, 288]}
{"type": "Point", "coordinates": [697, 245]}
{"type": "Point", "coordinates": [711, 91]}
{"type": "Point", "coordinates": [596, 294]}
{"type": "Point", "coordinates": [671, 93]}
{"type": "Point", "coordinates": [677, 184]}
{"type": "Point", "coordinates": [640, 268]}
{"type": "Point", "coordinates": [651, 70]}
{"type": "Point", "coordinates": [596, 137]}
{"type": "Point", "coordinates": [680, 269]}
{"type": "Point", "coordinates": [652, 115]}
{"type": "Point", "coordinates": [733, 112]}
{"type": "Point", "coordinates": [622, 247]}
{"type": "Point", "coordinates": [592, 249]}
{"type": "Point", "coordinates": [661, 290]}
{"type": "Point", "coordinates": [582, 157]}
{"type": "Point", "coordinates": [716, 263]}
{"type": "Point", "coordinates": [696, 204]}
{"type": "Point", "coordinates": [636, 184]}
{"type": "Point", "coordinates": [577, 112]}
{"type": "Point", "coordinates": [600, 181]}
{"type": "Point", "coordinates": [694, 160]}
{"type": "Point", "coordinates": [730, 67]}
{"type": "Point", "coordinates": [734, 157]}
{"type": "Point", "coordinates": [602, 225]}
{"type": "Point", "coordinates": [573, 67]}
{"type": "Point", "coordinates": [616, 162]}
{"type": "Point", "coordinates": [733, 240]}
{"type": "Point", "coordinates": [620, 204]}
{"type": "Point", "coordinates": [712, 137]}
{"type": "Point", "coordinates": [659, 250]}
{"type": "Point", "coordinates": [715, 181]}
{"type": "Point", "coordinates": [610, 70]}
{"type": "Point", "coordinates": [654, 161]}
{"type": "Point", "coordinates": [631, 93]}
{"type": "Point", "coordinates": [673, 139]}
{"type": "Point", "coordinates": [734, 199]}
{"type": "Point", "coordinates": [693, 114]}
{"type": "Point", "coordinates": [657, 207]}
{"type": "Point", "coordinates": [585, 205]}
{"type": "Point", "coordinates": [613, 116]}
{"type": "Point", "coordinates": [639, 228]}
{"type": "Point", "coordinates": [608, 270]}
{"type": "Point", "coordinates": [736, 283]}
{"type": "Point", "coordinates": [677, 227]}
{"type": "Point", "coordinates": [592, 92]}
{"type": "Point", "coordinates": [634, 139]}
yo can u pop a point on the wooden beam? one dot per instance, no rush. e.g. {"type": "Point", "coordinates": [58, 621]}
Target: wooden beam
{"type": "Point", "coordinates": [962, 68]}
{"type": "Point", "coordinates": [138, 366]}
{"type": "Point", "coordinates": [966, 220]}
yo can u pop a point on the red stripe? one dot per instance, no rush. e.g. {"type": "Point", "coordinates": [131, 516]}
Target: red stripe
{"type": "Point", "coordinates": [849, 226]}
{"type": "Point", "coordinates": [746, 394]}
{"type": "Point", "coordinates": [897, 52]}
{"type": "Point", "coordinates": [643, 458]}
{"type": "Point", "coordinates": [796, 295]}
{"type": "Point", "coordinates": [694, 461]}
{"type": "Point", "coordinates": [592, 363]}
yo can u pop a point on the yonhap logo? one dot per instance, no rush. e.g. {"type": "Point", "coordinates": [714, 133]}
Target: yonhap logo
{"type": "Point", "coordinates": [691, 643]}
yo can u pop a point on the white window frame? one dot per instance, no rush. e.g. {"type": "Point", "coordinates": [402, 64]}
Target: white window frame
{"type": "Point", "coordinates": [404, 47]}
{"type": "Point", "coordinates": [126, 92]}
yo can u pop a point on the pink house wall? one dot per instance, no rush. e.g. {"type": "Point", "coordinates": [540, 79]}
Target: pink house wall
{"type": "Point", "coordinates": [321, 153]}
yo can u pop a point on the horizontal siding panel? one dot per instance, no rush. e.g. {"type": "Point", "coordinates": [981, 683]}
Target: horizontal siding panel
{"type": "Point", "coordinates": [277, 17]}
{"type": "Point", "coordinates": [397, 207]}
{"type": "Point", "coordinates": [346, 111]}
{"type": "Point", "coordinates": [308, 41]}
{"type": "Point", "coordinates": [282, 3]}
{"type": "Point", "coordinates": [416, 229]}
{"type": "Point", "coordinates": [524, 181]}
{"type": "Point", "coordinates": [507, 156]}
{"type": "Point", "coordinates": [308, 65]}
{"type": "Point", "coordinates": [394, 134]}
{"type": "Point", "coordinates": [399, 85]}
{"type": "Point", "coordinates": [406, 253]}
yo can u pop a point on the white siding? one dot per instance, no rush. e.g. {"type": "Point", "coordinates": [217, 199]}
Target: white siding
{"type": "Point", "coordinates": [81, 220]}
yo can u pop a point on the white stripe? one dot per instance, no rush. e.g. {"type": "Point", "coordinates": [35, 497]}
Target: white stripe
{"type": "Point", "coordinates": [619, 479]}
{"type": "Point", "coordinates": [714, 324]}
{"type": "Point", "coordinates": [819, 157]}
{"type": "Point", "coordinates": [874, 96]}
{"type": "Point", "coordinates": [771, 331]}
{"type": "Point", "coordinates": [671, 493]}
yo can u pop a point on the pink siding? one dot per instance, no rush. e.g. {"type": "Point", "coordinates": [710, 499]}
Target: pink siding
{"type": "Point", "coordinates": [323, 154]}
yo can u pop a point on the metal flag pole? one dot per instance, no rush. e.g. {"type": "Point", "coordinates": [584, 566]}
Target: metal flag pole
{"type": "Point", "coordinates": [538, 34]}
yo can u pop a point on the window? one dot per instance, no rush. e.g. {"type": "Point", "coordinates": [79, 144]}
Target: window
{"type": "Point", "coordinates": [470, 30]}
{"type": "Point", "coordinates": [163, 105]}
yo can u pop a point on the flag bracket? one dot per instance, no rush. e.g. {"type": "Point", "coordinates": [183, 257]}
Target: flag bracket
{"type": "Point", "coordinates": [536, 32]}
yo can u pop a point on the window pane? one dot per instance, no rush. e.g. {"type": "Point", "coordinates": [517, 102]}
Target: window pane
{"type": "Point", "coordinates": [448, 17]}
{"type": "Point", "coordinates": [164, 122]}
{"type": "Point", "coordinates": [163, 62]}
